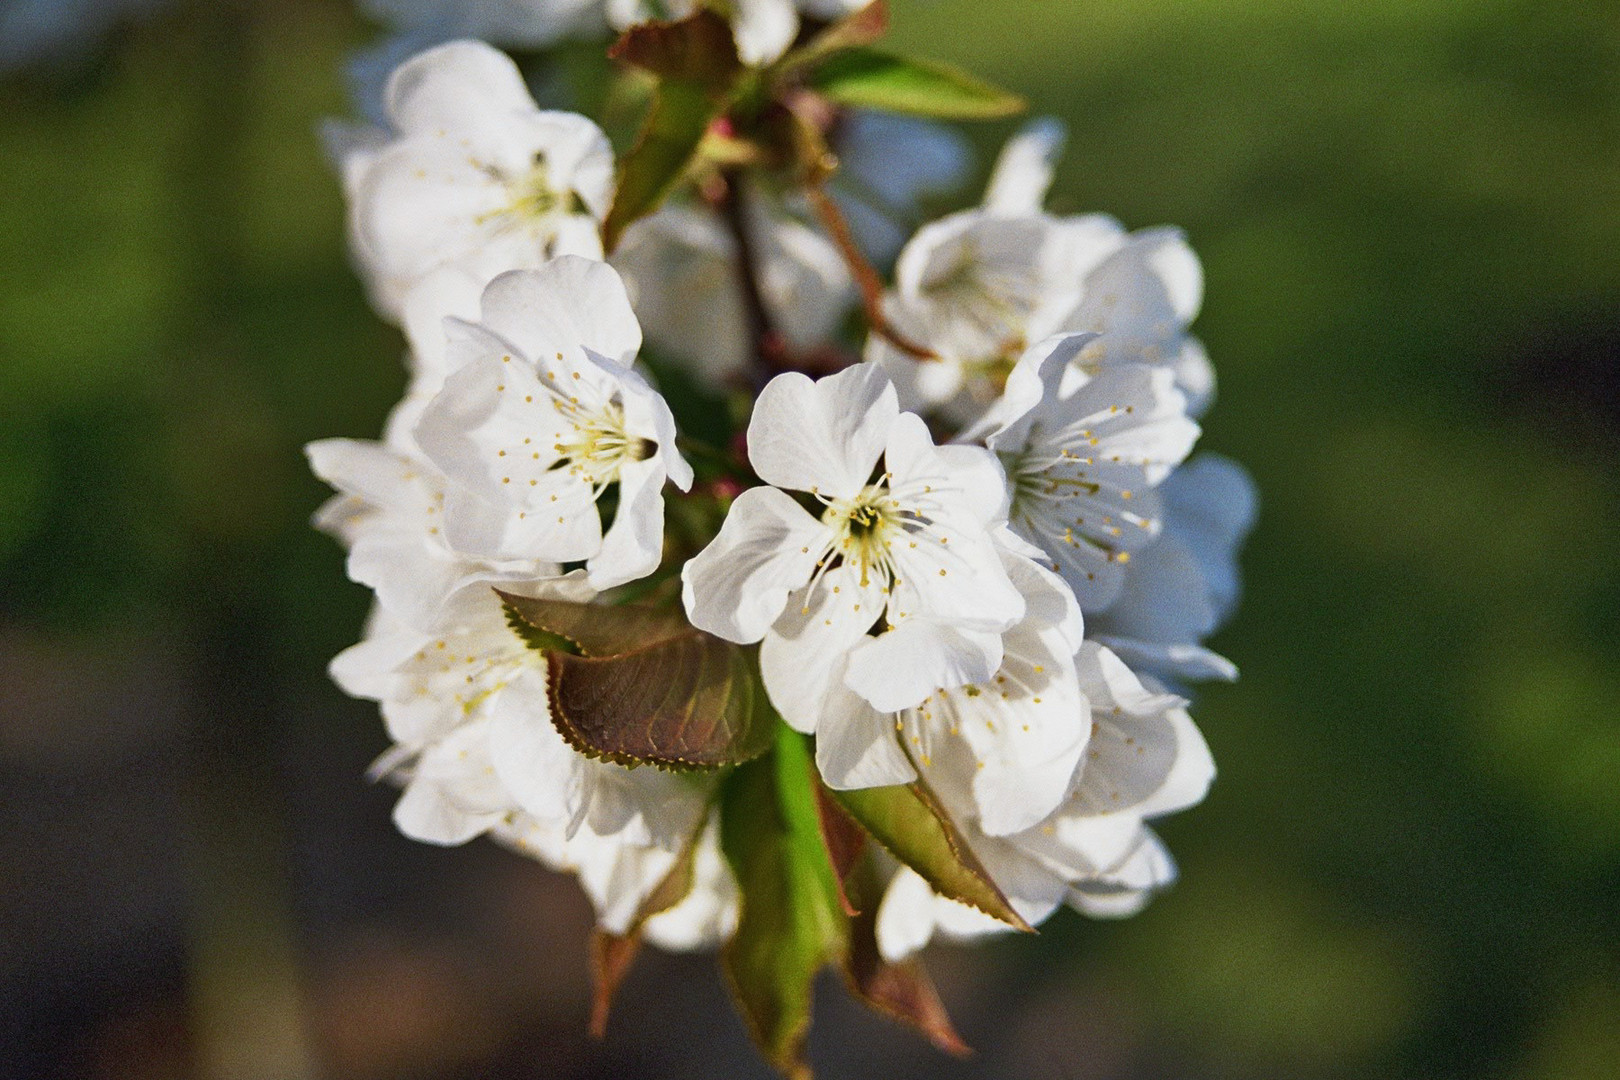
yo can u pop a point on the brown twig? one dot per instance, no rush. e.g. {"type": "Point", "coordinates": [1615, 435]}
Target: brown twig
{"type": "Point", "coordinates": [866, 276]}
{"type": "Point", "coordinates": [770, 349]}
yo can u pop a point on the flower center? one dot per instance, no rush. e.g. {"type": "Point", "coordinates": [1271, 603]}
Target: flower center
{"type": "Point", "coordinates": [535, 203]}
{"type": "Point", "coordinates": [989, 306]}
{"type": "Point", "coordinates": [600, 446]}
{"type": "Point", "coordinates": [863, 530]}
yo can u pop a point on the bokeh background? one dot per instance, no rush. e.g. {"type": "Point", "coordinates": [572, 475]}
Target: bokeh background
{"type": "Point", "coordinates": [1409, 215]}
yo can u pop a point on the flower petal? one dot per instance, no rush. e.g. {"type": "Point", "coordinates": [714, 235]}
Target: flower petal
{"type": "Point", "coordinates": [444, 86]}
{"type": "Point", "coordinates": [737, 586]}
{"type": "Point", "coordinates": [900, 668]}
{"type": "Point", "coordinates": [823, 436]}
{"type": "Point", "coordinates": [802, 656]}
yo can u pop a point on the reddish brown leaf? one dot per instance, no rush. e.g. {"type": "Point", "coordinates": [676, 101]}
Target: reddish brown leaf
{"type": "Point", "coordinates": [697, 49]}
{"type": "Point", "coordinates": [611, 956]}
{"type": "Point", "coordinates": [598, 629]}
{"type": "Point", "coordinates": [691, 701]}
{"type": "Point", "coordinates": [845, 842]}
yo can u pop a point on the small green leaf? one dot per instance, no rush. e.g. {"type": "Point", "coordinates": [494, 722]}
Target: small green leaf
{"type": "Point", "coordinates": [690, 701]}
{"type": "Point", "coordinates": [866, 78]}
{"type": "Point", "coordinates": [911, 825]}
{"type": "Point", "coordinates": [861, 27]}
{"type": "Point", "coordinates": [790, 924]}
{"type": "Point", "coordinates": [696, 62]}
{"type": "Point", "coordinates": [589, 629]}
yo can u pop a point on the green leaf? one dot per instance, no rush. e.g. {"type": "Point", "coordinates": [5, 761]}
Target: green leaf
{"type": "Point", "coordinates": [589, 629]}
{"type": "Point", "coordinates": [861, 27]}
{"type": "Point", "coordinates": [691, 701]}
{"type": "Point", "coordinates": [866, 78]}
{"type": "Point", "coordinates": [696, 62]}
{"type": "Point", "coordinates": [790, 924]}
{"type": "Point", "coordinates": [912, 826]}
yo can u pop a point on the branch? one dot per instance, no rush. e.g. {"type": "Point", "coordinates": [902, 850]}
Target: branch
{"type": "Point", "coordinates": [866, 277]}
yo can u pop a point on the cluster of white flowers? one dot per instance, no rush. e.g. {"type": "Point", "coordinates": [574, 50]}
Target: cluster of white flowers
{"type": "Point", "coordinates": [972, 561]}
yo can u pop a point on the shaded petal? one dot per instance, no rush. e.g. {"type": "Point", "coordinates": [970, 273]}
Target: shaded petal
{"type": "Point", "coordinates": [634, 543]}
{"type": "Point", "coordinates": [898, 669]}
{"type": "Point", "coordinates": [1023, 173]}
{"type": "Point", "coordinates": [857, 747]}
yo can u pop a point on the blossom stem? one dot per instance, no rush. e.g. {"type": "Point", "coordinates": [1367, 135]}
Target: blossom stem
{"type": "Point", "coordinates": [866, 276]}
{"type": "Point", "coordinates": [770, 349]}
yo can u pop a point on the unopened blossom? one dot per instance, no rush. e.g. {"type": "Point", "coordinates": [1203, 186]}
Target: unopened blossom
{"type": "Point", "coordinates": [473, 174]}
{"type": "Point", "coordinates": [1084, 455]}
{"type": "Point", "coordinates": [1145, 759]}
{"type": "Point", "coordinates": [905, 549]}
{"type": "Point", "coordinates": [1182, 588]}
{"type": "Point", "coordinates": [980, 286]}
{"type": "Point", "coordinates": [543, 416]}
{"type": "Point", "coordinates": [680, 266]}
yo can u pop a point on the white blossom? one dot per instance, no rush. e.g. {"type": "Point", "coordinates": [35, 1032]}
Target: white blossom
{"type": "Point", "coordinates": [907, 550]}
{"type": "Point", "coordinates": [1145, 759]}
{"type": "Point", "coordinates": [474, 174]}
{"type": "Point", "coordinates": [543, 415]}
{"type": "Point", "coordinates": [1084, 454]}
{"type": "Point", "coordinates": [680, 266]}
{"type": "Point", "coordinates": [978, 287]}
{"type": "Point", "coordinates": [475, 751]}
{"type": "Point", "coordinates": [1023, 727]}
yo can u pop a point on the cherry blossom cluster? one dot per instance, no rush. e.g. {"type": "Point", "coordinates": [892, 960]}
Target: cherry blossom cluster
{"type": "Point", "coordinates": [687, 508]}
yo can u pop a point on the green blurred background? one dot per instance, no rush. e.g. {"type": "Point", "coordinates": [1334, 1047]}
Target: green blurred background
{"type": "Point", "coordinates": [1409, 216]}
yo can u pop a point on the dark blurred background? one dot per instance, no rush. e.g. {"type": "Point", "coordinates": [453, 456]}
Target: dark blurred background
{"type": "Point", "coordinates": [1409, 216]}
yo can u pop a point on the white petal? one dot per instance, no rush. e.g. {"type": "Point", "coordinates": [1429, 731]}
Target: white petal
{"type": "Point", "coordinates": [900, 668]}
{"type": "Point", "coordinates": [763, 28]}
{"type": "Point", "coordinates": [905, 918]}
{"type": "Point", "coordinates": [737, 586]}
{"type": "Point", "coordinates": [441, 87]}
{"type": "Point", "coordinates": [568, 303]}
{"type": "Point", "coordinates": [542, 772]}
{"type": "Point", "coordinates": [802, 657]}
{"type": "Point", "coordinates": [634, 544]}
{"type": "Point", "coordinates": [856, 746]}
{"type": "Point", "coordinates": [823, 436]}
{"type": "Point", "coordinates": [1023, 172]}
